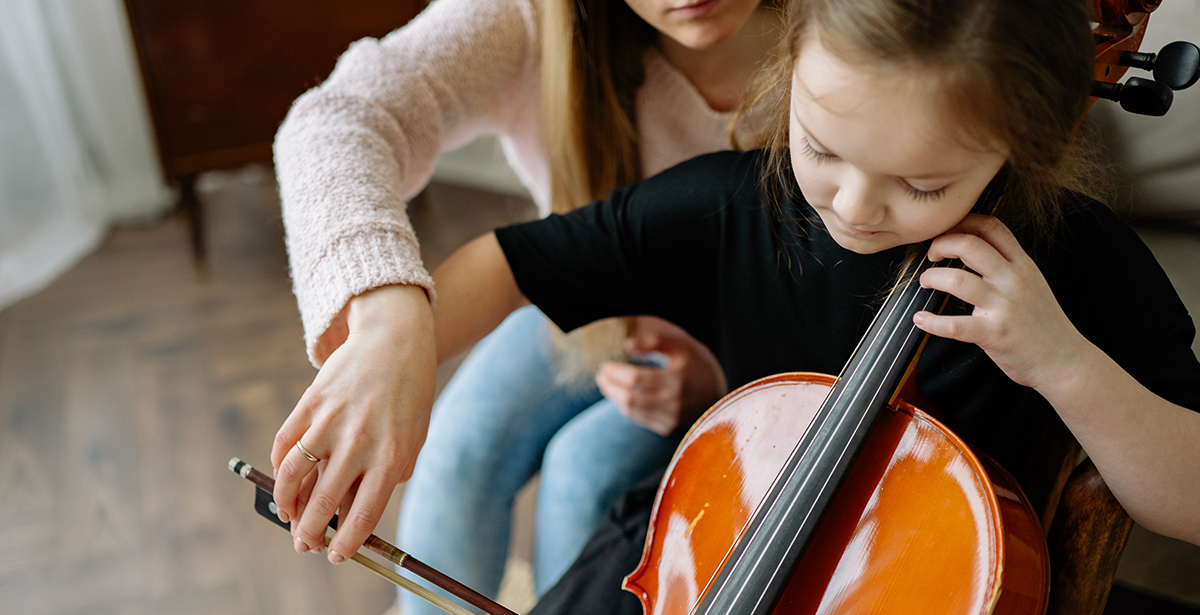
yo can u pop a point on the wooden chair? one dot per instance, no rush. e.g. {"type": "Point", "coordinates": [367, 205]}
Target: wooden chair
{"type": "Point", "coordinates": [1086, 527]}
{"type": "Point", "coordinates": [1086, 540]}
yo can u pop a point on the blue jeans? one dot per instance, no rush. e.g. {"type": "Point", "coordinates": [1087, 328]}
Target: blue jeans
{"type": "Point", "coordinates": [502, 418]}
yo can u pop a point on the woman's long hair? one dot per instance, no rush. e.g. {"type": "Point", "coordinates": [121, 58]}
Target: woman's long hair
{"type": "Point", "coordinates": [591, 66]}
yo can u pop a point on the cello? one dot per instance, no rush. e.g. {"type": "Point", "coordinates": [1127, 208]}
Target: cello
{"type": "Point", "coordinates": [823, 495]}
{"type": "Point", "coordinates": [806, 493]}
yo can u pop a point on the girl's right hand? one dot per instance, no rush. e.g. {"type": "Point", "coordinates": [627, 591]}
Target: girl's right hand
{"type": "Point", "coordinates": [364, 418]}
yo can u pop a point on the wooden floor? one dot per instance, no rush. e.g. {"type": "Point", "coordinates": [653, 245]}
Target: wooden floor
{"type": "Point", "coordinates": [128, 384]}
{"type": "Point", "coordinates": [126, 387]}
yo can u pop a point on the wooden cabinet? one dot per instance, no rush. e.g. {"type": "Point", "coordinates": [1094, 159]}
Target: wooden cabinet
{"type": "Point", "coordinates": [220, 75]}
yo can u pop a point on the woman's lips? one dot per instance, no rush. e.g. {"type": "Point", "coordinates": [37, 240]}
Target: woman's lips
{"type": "Point", "coordinates": [697, 9]}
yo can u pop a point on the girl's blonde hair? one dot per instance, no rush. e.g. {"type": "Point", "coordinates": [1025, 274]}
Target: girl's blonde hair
{"type": "Point", "coordinates": [1018, 71]}
{"type": "Point", "coordinates": [591, 63]}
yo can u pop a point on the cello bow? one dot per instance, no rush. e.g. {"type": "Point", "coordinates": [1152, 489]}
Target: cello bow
{"type": "Point", "coordinates": [264, 505]}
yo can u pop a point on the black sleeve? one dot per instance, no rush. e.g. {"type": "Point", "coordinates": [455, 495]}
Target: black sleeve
{"type": "Point", "coordinates": [648, 249]}
{"type": "Point", "coordinates": [1131, 310]}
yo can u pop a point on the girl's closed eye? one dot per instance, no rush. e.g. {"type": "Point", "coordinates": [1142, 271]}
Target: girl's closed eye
{"type": "Point", "coordinates": [923, 195]}
{"type": "Point", "coordinates": [914, 193]}
{"type": "Point", "coordinates": [813, 154]}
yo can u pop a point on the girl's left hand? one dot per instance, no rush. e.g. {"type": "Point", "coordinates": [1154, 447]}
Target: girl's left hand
{"type": "Point", "coordinates": [1016, 319]}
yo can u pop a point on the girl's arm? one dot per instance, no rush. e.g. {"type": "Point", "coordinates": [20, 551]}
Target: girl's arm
{"type": "Point", "coordinates": [478, 292]}
{"type": "Point", "coordinates": [1145, 447]}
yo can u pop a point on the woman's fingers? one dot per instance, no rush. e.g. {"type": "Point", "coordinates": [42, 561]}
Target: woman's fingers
{"type": "Point", "coordinates": [348, 500]}
{"type": "Point", "coordinates": [365, 415]}
{"type": "Point", "coordinates": [289, 463]}
{"type": "Point", "coordinates": [328, 493]}
{"type": "Point", "coordinates": [293, 468]}
{"type": "Point", "coordinates": [659, 417]}
{"type": "Point", "coordinates": [306, 487]}
{"type": "Point", "coordinates": [298, 422]}
{"type": "Point", "coordinates": [643, 384]}
{"type": "Point", "coordinates": [664, 398]}
{"type": "Point", "coordinates": [361, 511]}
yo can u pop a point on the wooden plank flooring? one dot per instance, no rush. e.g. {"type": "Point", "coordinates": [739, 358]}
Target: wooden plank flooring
{"type": "Point", "coordinates": [127, 385]}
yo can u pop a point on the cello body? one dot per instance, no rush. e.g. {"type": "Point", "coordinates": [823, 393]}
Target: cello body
{"type": "Point", "coordinates": [922, 525]}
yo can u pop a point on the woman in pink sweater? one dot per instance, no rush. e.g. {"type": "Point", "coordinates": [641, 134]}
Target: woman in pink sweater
{"type": "Point", "coordinates": [585, 97]}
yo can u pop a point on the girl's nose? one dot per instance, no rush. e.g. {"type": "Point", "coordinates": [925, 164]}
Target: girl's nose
{"type": "Point", "coordinates": [856, 204]}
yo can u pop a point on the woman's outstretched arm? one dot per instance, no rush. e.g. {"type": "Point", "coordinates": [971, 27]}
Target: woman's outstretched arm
{"type": "Point", "coordinates": [349, 155]}
{"type": "Point", "coordinates": [353, 150]}
{"type": "Point", "coordinates": [383, 404]}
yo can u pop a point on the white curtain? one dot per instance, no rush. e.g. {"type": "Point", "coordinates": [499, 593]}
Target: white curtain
{"type": "Point", "coordinates": [76, 151]}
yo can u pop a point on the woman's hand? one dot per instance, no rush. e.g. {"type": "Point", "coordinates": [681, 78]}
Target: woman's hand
{"type": "Point", "coordinates": [364, 418]}
{"type": "Point", "coordinates": [667, 398]}
{"type": "Point", "coordinates": [1016, 320]}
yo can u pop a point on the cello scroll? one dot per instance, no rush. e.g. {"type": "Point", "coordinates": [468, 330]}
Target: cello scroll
{"type": "Point", "coordinates": [1120, 28]}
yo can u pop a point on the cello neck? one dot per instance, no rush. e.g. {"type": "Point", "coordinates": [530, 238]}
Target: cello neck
{"type": "Point", "coordinates": [762, 561]}
{"type": "Point", "coordinates": [764, 558]}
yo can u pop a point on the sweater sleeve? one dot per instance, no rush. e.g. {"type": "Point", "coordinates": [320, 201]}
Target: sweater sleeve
{"type": "Point", "coordinates": [352, 150]}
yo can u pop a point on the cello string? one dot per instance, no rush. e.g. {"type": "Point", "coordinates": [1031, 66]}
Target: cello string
{"type": "Point", "coordinates": [792, 503]}
{"type": "Point", "coordinates": [988, 202]}
{"type": "Point", "coordinates": [795, 500]}
{"type": "Point", "coordinates": [831, 404]}
{"type": "Point", "coordinates": [836, 395]}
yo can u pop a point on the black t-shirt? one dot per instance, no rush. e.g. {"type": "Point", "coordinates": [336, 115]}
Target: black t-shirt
{"type": "Point", "coordinates": [698, 245]}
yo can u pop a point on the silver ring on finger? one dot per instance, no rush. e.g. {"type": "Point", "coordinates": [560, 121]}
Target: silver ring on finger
{"type": "Point", "coordinates": [303, 451]}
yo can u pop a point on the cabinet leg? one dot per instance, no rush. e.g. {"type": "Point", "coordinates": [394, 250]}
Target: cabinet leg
{"type": "Point", "coordinates": [194, 209]}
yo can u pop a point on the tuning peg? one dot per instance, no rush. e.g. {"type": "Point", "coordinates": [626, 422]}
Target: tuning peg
{"type": "Point", "coordinates": [1137, 95]}
{"type": "Point", "coordinates": [1176, 66]}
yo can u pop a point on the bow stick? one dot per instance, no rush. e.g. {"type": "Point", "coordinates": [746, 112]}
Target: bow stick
{"type": "Point", "coordinates": [265, 505]}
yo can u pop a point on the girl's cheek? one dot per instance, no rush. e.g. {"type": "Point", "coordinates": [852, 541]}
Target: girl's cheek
{"type": "Point", "coordinates": [817, 188]}
{"type": "Point", "coordinates": [806, 177]}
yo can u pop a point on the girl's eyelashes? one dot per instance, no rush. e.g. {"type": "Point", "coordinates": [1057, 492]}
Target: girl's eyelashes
{"type": "Point", "coordinates": [923, 195]}
{"type": "Point", "coordinates": [814, 155]}
{"type": "Point", "coordinates": [913, 193]}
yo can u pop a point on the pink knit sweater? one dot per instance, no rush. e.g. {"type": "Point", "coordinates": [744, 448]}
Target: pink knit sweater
{"type": "Point", "coordinates": [353, 150]}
